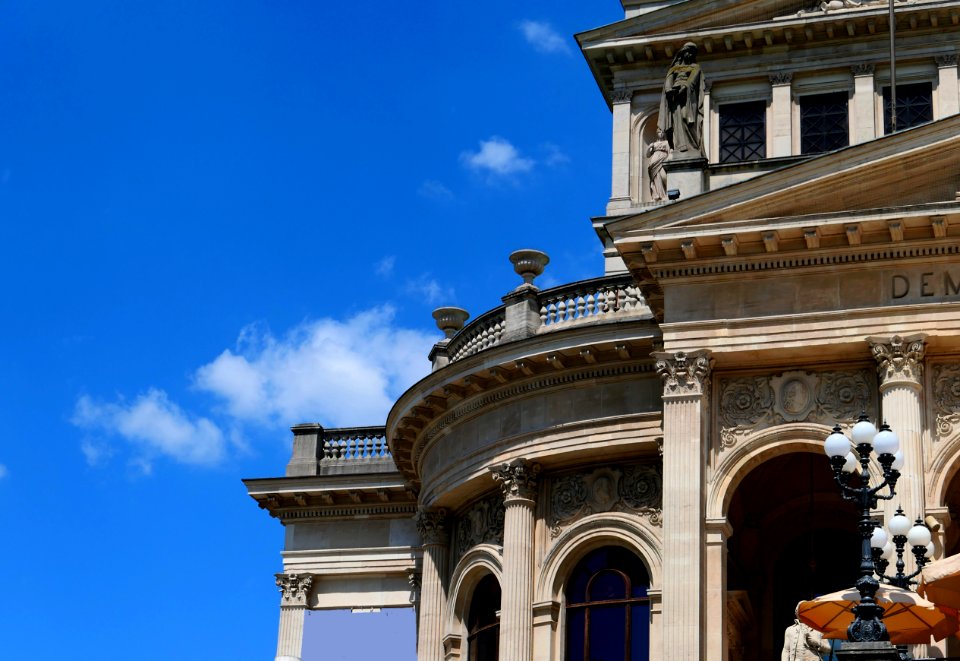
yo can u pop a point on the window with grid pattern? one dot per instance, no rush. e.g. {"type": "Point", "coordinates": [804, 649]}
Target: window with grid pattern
{"type": "Point", "coordinates": [823, 122]}
{"type": "Point", "coordinates": [743, 132]}
{"type": "Point", "coordinates": [914, 106]}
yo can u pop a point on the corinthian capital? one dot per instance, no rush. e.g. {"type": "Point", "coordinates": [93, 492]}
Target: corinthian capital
{"type": "Point", "coordinates": [621, 96]}
{"type": "Point", "coordinates": [294, 589]}
{"type": "Point", "coordinates": [898, 358]}
{"type": "Point", "coordinates": [432, 526]}
{"type": "Point", "coordinates": [517, 478]}
{"type": "Point", "coordinates": [684, 373]}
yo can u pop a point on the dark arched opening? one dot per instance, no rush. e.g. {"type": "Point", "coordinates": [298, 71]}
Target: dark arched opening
{"type": "Point", "coordinates": [483, 625]}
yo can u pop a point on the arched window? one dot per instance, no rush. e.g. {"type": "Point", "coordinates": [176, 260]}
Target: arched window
{"type": "Point", "coordinates": [608, 612]}
{"type": "Point", "coordinates": [483, 626]}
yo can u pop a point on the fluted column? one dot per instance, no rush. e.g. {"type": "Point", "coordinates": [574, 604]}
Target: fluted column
{"type": "Point", "coordinates": [900, 367]}
{"type": "Point", "coordinates": [294, 595]}
{"type": "Point", "coordinates": [432, 526]}
{"type": "Point", "coordinates": [518, 479]}
{"type": "Point", "coordinates": [686, 378]}
{"type": "Point", "coordinates": [718, 531]}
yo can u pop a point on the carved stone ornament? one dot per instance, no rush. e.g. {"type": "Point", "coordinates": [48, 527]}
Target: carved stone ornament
{"type": "Point", "coordinates": [749, 404]}
{"type": "Point", "coordinates": [621, 96]}
{"type": "Point", "coordinates": [946, 60]}
{"type": "Point", "coordinates": [946, 398]}
{"type": "Point", "coordinates": [517, 478]}
{"type": "Point", "coordinates": [413, 578]}
{"type": "Point", "coordinates": [432, 526]}
{"type": "Point", "coordinates": [862, 69]}
{"type": "Point", "coordinates": [638, 488]}
{"type": "Point", "coordinates": [684, 373]}
{"type": "Point", "coordinates": [482, 523]}
{"type": "Point", "coordinates": [781, 78]}
{"type": "Point", "coordinates": [898, 358]}
{"type": "Point", "coordinates": [294, 589]}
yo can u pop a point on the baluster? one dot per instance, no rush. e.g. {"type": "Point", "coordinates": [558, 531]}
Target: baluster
{"type": "Point", "coordinates": [591, 305]}
{"type": "Point", "coordinates": [543, 315]}
{"type": "Point", "coordinates": [561, 311]}
{"type": "Point", "coordinates": [581, 304]}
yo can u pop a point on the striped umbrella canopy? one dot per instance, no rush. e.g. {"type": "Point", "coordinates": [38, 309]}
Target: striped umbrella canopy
{"type": "Point", "coordinates": [910, 619]}
{"type": "Point", "coordinates": [940, 582]}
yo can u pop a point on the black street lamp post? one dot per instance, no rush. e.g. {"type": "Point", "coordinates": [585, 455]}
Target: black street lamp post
{"type": "Point", "coordinates": [883, 551]}
{"type": "Point", "coordinates": [867, 625]}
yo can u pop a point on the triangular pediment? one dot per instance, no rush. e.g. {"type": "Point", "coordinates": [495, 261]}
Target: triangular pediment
{"type": "Point", "coordinates": [919, 167]}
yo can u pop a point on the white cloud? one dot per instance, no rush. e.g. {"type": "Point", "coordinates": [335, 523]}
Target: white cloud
{"type": "Point", "coordinates": [435, 190]}
{"type": "Point", "coordinates": [543, 37]}
{"type": "Point", "coordinates": [154, 425]}
{"type": "Point", "coordinates": [385, 266]}
{"type": "Point", "coordinates": [554, 155]}
{"type": "Point", "coordinates": [3, 471]}
{"type": "Point", "coordinates": [497, 156]}
{"type": "Point", "coordinates": [429, 290]}
{"type": "Point", "coordinates": [340, 373]}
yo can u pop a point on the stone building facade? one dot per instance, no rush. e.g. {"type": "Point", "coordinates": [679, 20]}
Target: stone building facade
{"type": "Point", "coordinates": [645, 448]}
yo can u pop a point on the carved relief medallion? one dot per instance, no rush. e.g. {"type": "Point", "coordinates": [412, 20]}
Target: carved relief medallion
{"type": "Point", "coordinates": [946, 398]}
{"type": "Point", "coordinates": [795, 395]}
{"type": "Point", "coordinates": [637, 488]}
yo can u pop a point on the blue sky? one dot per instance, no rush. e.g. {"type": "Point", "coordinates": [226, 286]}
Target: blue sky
{"type": "Point", "coordinates": [218, 219]}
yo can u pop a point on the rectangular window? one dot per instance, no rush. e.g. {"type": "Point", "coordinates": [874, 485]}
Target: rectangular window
{"type": "Point", "coordinates": [823, 122]}
{"type": "Point", "coordinates": [743, 134]}
{"type": "Point", "coordinates": [914, 106]}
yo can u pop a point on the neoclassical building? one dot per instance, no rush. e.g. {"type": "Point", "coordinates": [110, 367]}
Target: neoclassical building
{"type": "Point", "coordinates": [631, 467]}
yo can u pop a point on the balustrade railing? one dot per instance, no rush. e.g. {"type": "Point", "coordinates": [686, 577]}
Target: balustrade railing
{"type": "Point", "coordinates": [482, 333]}
{"type": "Point", "coordinates": [589, 299]}
{"type": "Point", "coordinates": [354, 444]}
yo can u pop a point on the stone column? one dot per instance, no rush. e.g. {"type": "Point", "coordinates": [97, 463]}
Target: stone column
{"type": "Point", "coordinates": [864, 122]}
{"type": "Point", "coordinates": [900, 366]}
{"type": "Point", "coordinates": [432, 526]}
{"type": "Point", "coordinates": [781, 117]}
{"type": "Point", "coordinates": [948, 89]}
{"type": "Point", "coordinates": [518, 479]}
{"type": "Point", "coordinates": [294, 595]}
{"type": "Point", "coordinates": [685, 390]}
{"type": "Point", "coordinates": [708, 117]}
{"type": "Point", "coordinates": [620, 186]}
{"type": "Point", "coordinates": [718, 531]}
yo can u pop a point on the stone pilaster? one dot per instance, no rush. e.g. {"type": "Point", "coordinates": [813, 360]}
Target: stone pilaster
{"type": "Point", "coordinates": [294, 596]}
{"type": "Point", "coordinates": [948, 87]}
{"type": "Point", "coordinates": [518, 480]}
{"type": "Point", "coordinates": [863, 122]}
{"type": "Point", "coordinates": [434, 536]}
{"type": "Point", "coordinates": [686, 379]}
{"type": "Point", "coordinates": [620, 178]}
{"type": "Point", "coordinates": [781, 110]}
{"type": "Point", "coordinates": [718, 531]}
{"type": "Point", "coordinates": [900, 367]}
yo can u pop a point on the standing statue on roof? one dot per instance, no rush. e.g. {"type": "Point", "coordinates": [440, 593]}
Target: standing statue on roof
{"type": "Point", "coordinates": [681, 107]}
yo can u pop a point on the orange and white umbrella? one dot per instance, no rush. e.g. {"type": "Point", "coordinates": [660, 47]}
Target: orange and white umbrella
{"type": "Point", "coordinates": [909, 618]}
{"type": "Point", "coordinates": [940, 582]}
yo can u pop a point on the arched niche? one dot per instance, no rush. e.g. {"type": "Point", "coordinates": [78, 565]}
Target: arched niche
{"type": "Point", "coordinates": [643, 132]}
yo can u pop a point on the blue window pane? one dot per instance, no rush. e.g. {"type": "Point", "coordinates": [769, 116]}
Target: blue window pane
{"type": "Point", "coordinates": [639, 632]}
{"type": "Point", "coordinates": [575, 634]}
{"type": "Point", "coordinates": [607, 585]}
{"type": "Point", "coordinates": [608, 633]}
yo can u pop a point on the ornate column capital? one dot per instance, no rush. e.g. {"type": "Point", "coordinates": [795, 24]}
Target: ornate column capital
{"type": "Point", "coordinates": [294, 589]}
{"type": "Point", "coordinates": [899, 358]}
{"type": "Point", "coordinates": [621, 96]}
{"type": "Point", "coordinates": [432, 526]}
{"type": "Point", "coordinates": [517, 478]}
{"type": "Point", "coordinates": [684, 373]}
{"type": "Point", "coordinates": [946, 60]}
{"type": "Point", "coordinates": [862, 69]}
{"type": "Point", "coordinates": [781, 78]}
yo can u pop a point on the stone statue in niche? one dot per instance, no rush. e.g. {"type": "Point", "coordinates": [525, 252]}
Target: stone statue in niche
{"type": "Point", "coordinates": [657, 153]}
{"type": "Point", "coordinates": [681, 106]}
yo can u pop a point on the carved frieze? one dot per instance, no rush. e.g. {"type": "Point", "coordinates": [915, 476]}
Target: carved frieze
{"type": "Point", "coordinates": [748, 404]}
{"type": "Point", "coordinates": [294, 589]}
{"type": "Point", "coordinates": [637, 488]}
{"type": "Point", "coordinates": [432, 526]}
{"type": "Point", "coordinates": [482, 523]}
{"type": "Point", "coordinates": [517, 478]}
{"type": "Point", "coordinates": [946, 398]}
{"type": "Point", "coordinates": [684, 373]}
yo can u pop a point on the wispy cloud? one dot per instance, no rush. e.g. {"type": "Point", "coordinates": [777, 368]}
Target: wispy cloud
{"type": "Point", "coordinates": [384, 267]}
{"type": "Point", "coordinates": [154, 425]}
{"type": "Point", "coordinates": [428, 289]}
{"type": "Point", "coordinates": [543, 37]}
{"type": "Point", "coordinates": [497, 156]}
{"type": "Point", "coordinates": [554, 155]}
{"type": "Point", "coordinates": [3, 471]}
{"type": "Point", "coordinates": [337, 372]}
{"type": "Point", "coordinates": [435, 190]}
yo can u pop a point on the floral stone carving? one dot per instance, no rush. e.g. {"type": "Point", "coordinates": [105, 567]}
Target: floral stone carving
{"type": "Point", "coordinates": [432, 526]}
{"type": "Point", "coordinates": [482, 523]}
{"type": "Point", "coordinates": [899, 358]}
{"type": "Point", "coordinates": [946, 398]}
{"type": "Point", "coordinates": [517, 478]}
{"type": "Point", "coordinates": [294, 589]}
{"type": "Point", "coordinates": [684, 373]}
{"type": "Point", "coordinates": [638, 488]}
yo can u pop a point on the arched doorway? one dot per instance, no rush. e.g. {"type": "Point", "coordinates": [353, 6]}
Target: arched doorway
{"type": "Point", "coordinates": [483, 625]}
{"type": "Point", "coordinates": [794, 538]}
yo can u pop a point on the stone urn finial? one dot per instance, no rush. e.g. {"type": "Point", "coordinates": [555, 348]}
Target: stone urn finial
{"type": "Point", "coordinates": [528, 263]}
{"type": "Point", "coordinates": [450, 320]}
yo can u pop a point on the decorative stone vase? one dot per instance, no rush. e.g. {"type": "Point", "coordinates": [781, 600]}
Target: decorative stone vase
{"type": "Point", "coordinates": [528, 263]}
{"type": "Point", "coordinates": [450, 320]}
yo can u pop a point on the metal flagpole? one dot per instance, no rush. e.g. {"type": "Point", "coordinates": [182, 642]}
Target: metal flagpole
{"type": "Point", "coordinates": [893, 72]}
